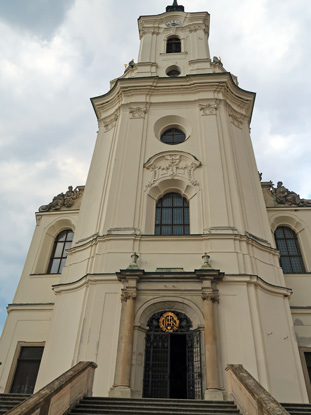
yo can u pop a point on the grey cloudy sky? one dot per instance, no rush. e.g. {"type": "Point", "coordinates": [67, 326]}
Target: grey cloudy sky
{"type": "Point", "coordinates": [57, 54]}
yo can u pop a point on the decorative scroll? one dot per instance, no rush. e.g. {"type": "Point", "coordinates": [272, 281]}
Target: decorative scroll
{"type": "Point", "coordinates": [285, 197]}
{"type": "Point", "coordinates": [171, 165]}
{"type": "Point", "coordinates": [62, 200]}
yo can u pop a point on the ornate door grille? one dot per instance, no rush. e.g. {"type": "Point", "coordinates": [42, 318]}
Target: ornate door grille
{"type": "Point", "coordinates": [159, 352]}
{"type": "Point", "coordinates": [194, 374]}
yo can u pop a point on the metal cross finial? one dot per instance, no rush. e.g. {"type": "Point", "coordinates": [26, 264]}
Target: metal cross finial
{"type": "Point", "coordinates": [206, 258]}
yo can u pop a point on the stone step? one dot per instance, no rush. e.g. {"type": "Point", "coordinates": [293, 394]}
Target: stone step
{"type": "Point", "coordinates": [98, 405]}
{"type": "Point", "coordinates": [157, 400]}
{"type": "Point", "coordinates": [144, 411]}
{"type": "Point", "coordinates": [215, 410]}
{"type": "Point", "coordinates": [10, 400]}
{"type": "Point", "coordinates": [297, 408]}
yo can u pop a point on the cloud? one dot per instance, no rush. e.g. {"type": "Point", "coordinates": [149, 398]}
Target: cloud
{"type": "Point", "coordinates": [41, 18]}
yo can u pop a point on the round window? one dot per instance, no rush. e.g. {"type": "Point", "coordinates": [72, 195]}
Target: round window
{"type": "Point", "coordinates": [173, 136]}
{"type": "Point", "coordinates": [173, 73]}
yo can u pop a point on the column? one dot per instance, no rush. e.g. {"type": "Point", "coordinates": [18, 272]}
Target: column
{"type": "Point", "coordinates": [212, 387]}
{"type": "Point", "coordinates": [127, 340]}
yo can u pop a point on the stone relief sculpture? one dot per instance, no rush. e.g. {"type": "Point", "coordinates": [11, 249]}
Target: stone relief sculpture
{"type": "Point", "coordinates": [170, 165]}
{"type": "Point", "coordinates": [62, 200]}
{"type": "Point", "coordinates": [137, 112]}
{"type": "Point", "coordinates": [283, 196]}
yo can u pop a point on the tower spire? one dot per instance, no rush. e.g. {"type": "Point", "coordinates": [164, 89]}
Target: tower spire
{"type": "Point", "coordinates": [175, 7]}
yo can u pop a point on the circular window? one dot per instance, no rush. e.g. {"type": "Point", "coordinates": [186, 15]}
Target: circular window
{"type": "Point", "coordinates": [173, 73]}
{"type": "Point", "coordinates": [173, 136]}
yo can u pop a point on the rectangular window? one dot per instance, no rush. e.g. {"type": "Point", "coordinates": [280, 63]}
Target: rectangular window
{"type": "Point", "coordinates": [305, 354]}
{"type": "Point", "coordinates": [27, 369]}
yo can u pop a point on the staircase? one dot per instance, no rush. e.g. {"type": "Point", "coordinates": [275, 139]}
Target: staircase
{"type": "Point", "coordinates": [94, 405]}
{"type": "Point", "coordinates": [10, 400]}
{"type": "Point", "coordinates": [297, 408]}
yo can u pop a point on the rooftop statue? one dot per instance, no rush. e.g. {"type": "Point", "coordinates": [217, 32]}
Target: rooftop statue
{"type": "Point", "coordinates": [62, 200]}
{"type": "Point", "coordinates": [283, 196]}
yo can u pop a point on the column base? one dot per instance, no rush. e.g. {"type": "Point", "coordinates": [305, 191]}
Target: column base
{"type": "Point", "coordinates": [213, 395]}
{"type": "Point", "coordinates": [120, 392]}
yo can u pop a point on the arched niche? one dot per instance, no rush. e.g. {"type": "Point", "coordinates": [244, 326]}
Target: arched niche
{"type": "Point", "coordinates": [302, 231]}
{"type": "Point", "coordinates": [48, 235]}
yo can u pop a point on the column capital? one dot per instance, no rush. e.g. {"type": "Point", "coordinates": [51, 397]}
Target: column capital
{"type": "Point", "coordinates": [128, 295]}
{"type": "Point", "coordinates": [212, 296]}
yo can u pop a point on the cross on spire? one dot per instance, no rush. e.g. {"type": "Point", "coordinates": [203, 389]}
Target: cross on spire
{"type": "Point", "coordinates": [175, 7]}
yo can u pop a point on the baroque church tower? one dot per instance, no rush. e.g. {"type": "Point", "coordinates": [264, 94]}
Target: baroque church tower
{"type": "Point", "coordinates": [164, 268]}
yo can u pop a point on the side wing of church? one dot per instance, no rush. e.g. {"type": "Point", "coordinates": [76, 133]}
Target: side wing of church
{"type": "Point", "coordinates": [174, 260]}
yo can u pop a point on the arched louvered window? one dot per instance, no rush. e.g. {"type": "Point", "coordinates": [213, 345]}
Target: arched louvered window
{"type": "Point", "coordinates": [172, 215]}
{"type": "Point", "coordinates": [173, 45]}
{"type": "Point", "coordinates": [62, 242]}
{"type": "Point", "coordinates": [287, 243]}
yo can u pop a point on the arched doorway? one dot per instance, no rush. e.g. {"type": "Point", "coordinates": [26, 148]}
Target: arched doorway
{"type": "Point", "coordinates": [172, 358]}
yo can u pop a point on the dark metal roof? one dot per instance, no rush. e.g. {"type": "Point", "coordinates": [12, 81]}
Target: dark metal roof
{"type": "Point", "coordinates": [175, 7]}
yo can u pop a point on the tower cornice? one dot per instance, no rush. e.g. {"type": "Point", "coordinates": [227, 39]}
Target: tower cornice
{"type": "Point", "coordinates": [200, 87]}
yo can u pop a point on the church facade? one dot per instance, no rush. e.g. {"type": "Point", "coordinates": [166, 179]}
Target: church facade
{"type": "Point", "coordinates": [174, 260]}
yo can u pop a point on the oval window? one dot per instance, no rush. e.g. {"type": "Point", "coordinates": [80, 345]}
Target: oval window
{"type": "Point", "coordinates": [173, 136]}
{"type": "Point", "coordinates": [173, 73]}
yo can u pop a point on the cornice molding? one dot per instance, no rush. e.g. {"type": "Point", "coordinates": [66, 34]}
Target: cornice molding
{"type": "Point", "coordinates": [219, 86]}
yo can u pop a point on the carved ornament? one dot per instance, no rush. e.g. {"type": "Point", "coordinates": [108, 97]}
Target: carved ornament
{"type": "Point", "coordinates": [236, 118]}
{"type": "Point", "coordinates": [169, 322]}
{"type": "Point", "coordinates": [209, 109]}
{"type": "Point", "coordinates": [62, 200]}
{"type": "Point", "coordinates": [126, 296]}
{"type": "Point", "coordinates": [283, 196]}
{"type": "Point", "coordinates": [172, 165]}
{"type": "Point", "coordinates": [138, 112]}
{"type": "Point", "coordinates": [143, 31]}
{"type": "Point", "coordinates": [214, 297]}
{"type": "Point", "coordinates": [194, 28]}
{"type": "Point", "coordinates": [110, 122]}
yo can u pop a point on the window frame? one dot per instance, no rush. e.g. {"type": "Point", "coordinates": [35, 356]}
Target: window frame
{"type": "Point", "coordinates": [173, 131]}
{"type": "Point", "coordinates": [63, 255]}
{"type": "Point", "coordinates": [302, 351]}
{"type": "Point", "coordinates": [14, 362]}
{"type": "Point", "coordinates": [288, 255]}
{"type": "Point", "coordinates": [185, 224]}
{"type": "Point", "coordinates": [171, 44]}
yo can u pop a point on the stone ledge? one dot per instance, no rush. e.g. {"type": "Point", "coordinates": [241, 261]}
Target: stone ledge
{"type": "Point", "coordinates": [249, 395]}
{"type": "Point", "coordinates": [60, 394]}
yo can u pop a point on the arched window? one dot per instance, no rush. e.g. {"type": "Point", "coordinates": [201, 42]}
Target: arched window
{"type": "Point", "coordinates": [287, 243]}
{"type": "Point", "coordinates": [172, 215]}
{"type": "Point", "coordinates": [173, 136]}
{"type": "Point", "coordinates": [62, 242]}
{"type": "Point", "coordinates": [173, 45]}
